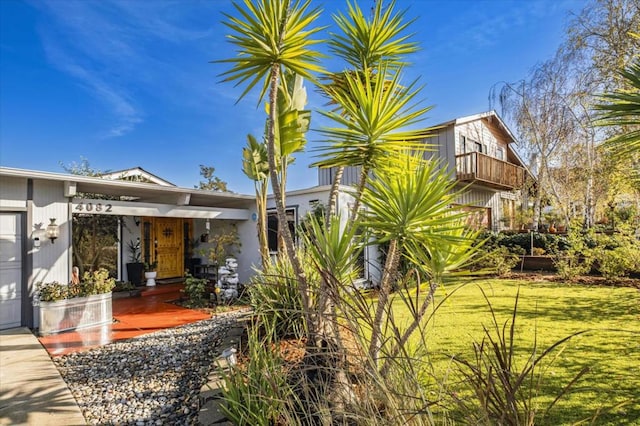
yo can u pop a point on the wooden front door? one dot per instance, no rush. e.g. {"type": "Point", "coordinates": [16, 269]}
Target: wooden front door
{"type": "Point", "coordinates": [169, 246]}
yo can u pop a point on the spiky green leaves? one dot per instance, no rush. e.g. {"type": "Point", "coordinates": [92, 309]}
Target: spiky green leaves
{"type": "Point", "coordinates": [364, 43]}
{"type": "Point", "coordinates": [374, 116]}
{"type": "Point", "coordinates": [270, 33]}
{"type": "Point", "coordinates": [412, 201]}
{"type": "Point", "coordinates": [623, 109]}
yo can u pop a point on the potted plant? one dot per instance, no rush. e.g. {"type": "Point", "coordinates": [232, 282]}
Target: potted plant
{"type": "Point", "coordinates": [134, 267]}
{"type": "Point", "coordinates": [76, 305]}
{"type": "Point", "coordinates": [150, 273]}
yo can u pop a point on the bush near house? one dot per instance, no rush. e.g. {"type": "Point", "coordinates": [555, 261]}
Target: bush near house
{"type": "Point", "coordinates": [550, 243]}
{"type": "Point", "coordinates": [614, 255]}
{"type": "Point", "coordinates": [96, 282]}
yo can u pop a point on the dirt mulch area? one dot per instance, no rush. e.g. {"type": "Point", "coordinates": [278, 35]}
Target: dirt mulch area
{"type": "Point", "coordinates": [587, 280]}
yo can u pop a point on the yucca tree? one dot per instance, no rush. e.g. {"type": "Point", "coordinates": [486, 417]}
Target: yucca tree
{"type": "Point", "coordinates": [273, 36]}
{"type": "Point", "coordinates": [363, 44]}
{"type": "Point", "coordinates": [255, 166]}
{"type": "Point", "coordinates": [622, 109]}
{"type": "Point", "coordinates": [374, 113]}
{"type": "Point", "coordinates": [409, 206]}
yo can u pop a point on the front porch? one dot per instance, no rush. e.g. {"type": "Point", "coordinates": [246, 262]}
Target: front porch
{"type": "Point", "coordinates": [135, 316]}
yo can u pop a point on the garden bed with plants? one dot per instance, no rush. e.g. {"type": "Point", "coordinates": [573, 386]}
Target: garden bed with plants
{"type": "Point", "coordinates": [65, 307]}
{"type": "Point", "coordinates": [199, 294]}
{"type": "Point", "coordinates": [615, 257]}
{"type": "Point", "coordinates": [588, 366]}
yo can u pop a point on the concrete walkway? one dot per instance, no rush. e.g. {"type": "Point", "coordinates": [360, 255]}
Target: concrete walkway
{"type": "Point", "coordinates": [32, 391]}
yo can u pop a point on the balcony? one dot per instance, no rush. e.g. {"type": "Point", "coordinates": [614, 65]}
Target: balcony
{"type": "Point", "coordinates": [475, 167]}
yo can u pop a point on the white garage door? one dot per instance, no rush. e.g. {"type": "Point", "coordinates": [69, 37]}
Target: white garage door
{"type": "Point", "coordinates": [10, 270]}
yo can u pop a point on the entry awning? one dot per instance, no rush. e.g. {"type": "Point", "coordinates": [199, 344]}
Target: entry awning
{"type": "Point", "coordinates": [134, 208]}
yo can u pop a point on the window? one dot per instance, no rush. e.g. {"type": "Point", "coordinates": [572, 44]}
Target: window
{"type": "Point", "coordinates": [272, 227]}
{"type": "Point", "coordinates": [500, 153]}
{"type": "Point", "coordinates": [477, 217]}
{"type": "Point", "coordinates": [473, 146]}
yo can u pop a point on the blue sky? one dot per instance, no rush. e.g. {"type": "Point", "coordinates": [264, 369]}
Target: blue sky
{"type": "Point", "coordinates": [129, 83]}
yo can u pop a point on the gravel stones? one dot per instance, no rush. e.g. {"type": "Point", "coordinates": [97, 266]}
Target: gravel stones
{"type": "Point", "coordinates": [153, 379]}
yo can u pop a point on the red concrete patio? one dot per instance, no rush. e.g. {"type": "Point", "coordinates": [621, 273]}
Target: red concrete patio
{"type": "Point", "coordinates": [135, 315]}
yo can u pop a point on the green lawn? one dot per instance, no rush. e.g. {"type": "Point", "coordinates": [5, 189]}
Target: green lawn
{"type": "Point", "coordinates": [611, 347]}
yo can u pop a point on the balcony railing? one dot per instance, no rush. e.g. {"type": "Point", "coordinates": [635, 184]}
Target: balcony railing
{"type": "Point", "coordinates": [489, 171]}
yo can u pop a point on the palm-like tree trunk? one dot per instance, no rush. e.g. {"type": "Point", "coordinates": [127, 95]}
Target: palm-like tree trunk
{"type": "Point", "coordinates": [278, 196]}
{"type": "Point", "coordinates": [364, 175]}
{"type": "Point", "coordinates": [390, 269]}
{"type": "Point", "coordinates": [261, 204]}
{"type": "Point", "coordinates": [333, 195]}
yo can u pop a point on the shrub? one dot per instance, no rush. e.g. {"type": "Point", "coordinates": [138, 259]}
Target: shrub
{"type": "Point", "coordinates": [256, 392]}
{"type": "Point", "coordinates": [577, 258]}
{"type": "Point", "coordinates": [550, 243]}
{"type": "Point", "coordinates": [97, 282]}
{"type": "Point", "coordinates": [276, 300]}
{"type": "Point", "coordinates": [195, 290]}
{"type": "Point", "coordinates": [498, 260]}
{"type": "Point", "coordinates": [617, 255]}
{"type": "Point", "coordinates": [537, 251]}
{"type": "Point", "coordinates": [123, 286]}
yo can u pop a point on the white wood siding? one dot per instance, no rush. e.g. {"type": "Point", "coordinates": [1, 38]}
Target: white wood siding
{"type": "Point", "coordinates": [350, 176]}
{"type": "Point", "coordinates": [479, 131]}
{"type": "Point", "coordinates": [13, 194]}
{"type": "Point", "coordinates": [484, 197]}
{"type": "Point", "coordinates": [51, 262]}
{"type": "Point", "coordinates": [442, 148]}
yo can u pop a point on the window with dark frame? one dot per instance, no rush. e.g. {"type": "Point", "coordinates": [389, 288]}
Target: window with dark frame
{"type": "Point", "coordinates": [272, 227]}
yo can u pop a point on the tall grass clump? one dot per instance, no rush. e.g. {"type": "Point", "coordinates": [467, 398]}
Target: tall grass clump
{"type": "Point", "coordinates": [256, 391]}
{"type": "Point", "coordinates": [499, 388]}
{"type": "Point", "coordinates": [276, 300]}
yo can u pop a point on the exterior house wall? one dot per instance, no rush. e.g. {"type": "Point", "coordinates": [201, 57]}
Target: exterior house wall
{"type": "Point", "coordinates": [246, 253]}
{"type": "Point", "coordinates": [350, 176]}
{"type": "Point", "coordinates": [249, 255]}
{"type": "Point", "coordinates": [51, 262]}
{"type": "Point", "coordinates": [443, 148]}
{"type": "Point", "coordinates": [303, 201]}
{"type": "Point", "coordinates": [487, 198]}
{"type": "Point", "coordinates": [479, 131]}
{"type": "Point", "coordinates": [461, 136]}
{"type": "Point", "coordinates": [13, 194]}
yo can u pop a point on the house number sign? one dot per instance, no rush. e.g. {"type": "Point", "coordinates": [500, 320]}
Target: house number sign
{"type": "Point", "coordinates": [92, 207]}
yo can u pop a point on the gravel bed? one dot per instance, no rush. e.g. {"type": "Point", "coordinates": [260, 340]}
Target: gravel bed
{"type": "Point", "coordinates": [154, 379]}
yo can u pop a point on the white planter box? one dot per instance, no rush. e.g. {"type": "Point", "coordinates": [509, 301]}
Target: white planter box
{"type": "Point", "coordinates": [71, 314]}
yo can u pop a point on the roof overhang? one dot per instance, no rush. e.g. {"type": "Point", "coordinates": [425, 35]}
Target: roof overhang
{"type": "Point", "coordinates": [136, 191]}
{"type": "Point", "coordinates": [488, 115]}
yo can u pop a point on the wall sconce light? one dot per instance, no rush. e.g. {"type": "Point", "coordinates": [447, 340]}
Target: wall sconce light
{"type": "Point", "coordinates": [136, 220]}
{"type": "Point", "coordinates": [207, 225]}
{"type": "Point", "coordinates": [52, 230]}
